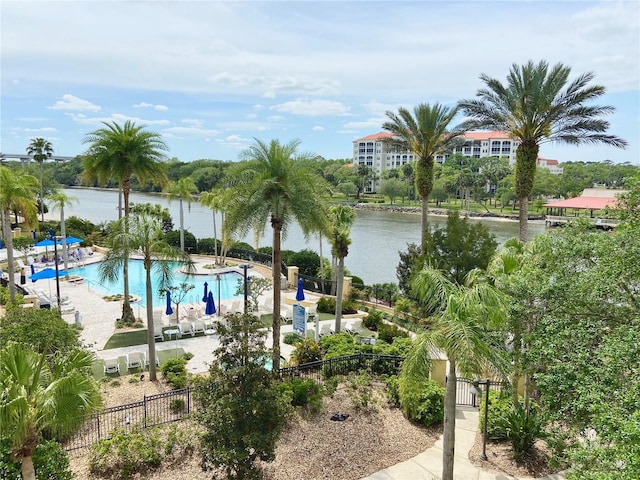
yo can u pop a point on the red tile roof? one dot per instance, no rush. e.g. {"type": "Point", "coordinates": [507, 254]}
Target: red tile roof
{"type": "Point", "coordinates": [548, 160]}
{"type": "Point", "coordinates": [376, 137]}
{"type": "Point", "coordinates": [495, 134]}
{"type": "Point", "coordinates": [590, 203]}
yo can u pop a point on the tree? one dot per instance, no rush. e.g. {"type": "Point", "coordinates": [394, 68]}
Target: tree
{"type": "Point", "coordinates": [466, 313]}
{"type": "Point", "coordinates": [347, 189]}
{"type": "Point", "coordinates": [341, 218]}
{"type": "Point", "coordinates": [41, 150]}
{"type": "Point", "coordinates": [60, 200]}
{"type": "Point", "coordinates": [244, 415]}
{"type": "Point", "coordinates": [459, 248]}
{"type": "Point", "coordinates": [183, 190]}
{"type": "Point", "coordinates": [38, 396]}
{"type": "Point", "coordinates": [17, 192]}
{"type": "Point", "coordinates": [256, 286]}
{"type": "Point", "coordinates": [538, 105]}
{"type": "Point", "coordinates": [425, 134]}
{"type": "Point", "coordinates": [178, 294]}
{"type": "Point", "coordinates": [392, 188]}
{"type": "Point", "coordinates": [119, 152]}
{"type": "Point", "coordinates": [274, 185]}
{"type": "Point", "coordinates": [143, 236]}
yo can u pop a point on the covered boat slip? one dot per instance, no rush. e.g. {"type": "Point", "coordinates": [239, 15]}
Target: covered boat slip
{"type": "Point", "coordinates": [593, 205]}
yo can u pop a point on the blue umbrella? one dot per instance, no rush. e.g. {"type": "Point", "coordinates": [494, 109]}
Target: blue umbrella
{"type": "Point", "coordinates": [206, 286]}
{"type": "Point", "coordinates": [47, 242]}
{"type": "Point", "coordinates": [300, 292]}
{"type": "Point", "coordinates": [46, 273]}
{"type": "Point", "coordinates": [71, 240]}
{"type": "Point", "coordinates": [210, 309]}
{"type": "Point", "coordinates": [169, 310]}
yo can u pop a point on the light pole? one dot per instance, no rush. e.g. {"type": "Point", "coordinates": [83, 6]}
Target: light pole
{"type": "Point", "coordinates": [477, 391]}
{"type": "Point", "coordinates": [245, 267]}
{"type": "Point", "coordinates": [218, 280]}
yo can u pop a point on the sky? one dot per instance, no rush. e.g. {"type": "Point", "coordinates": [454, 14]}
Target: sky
{"type": "Point", "coordinates": [212, 76]}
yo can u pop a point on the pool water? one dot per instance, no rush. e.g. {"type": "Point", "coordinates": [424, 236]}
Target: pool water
{"type": "Point", "coordinates": [137, 284]}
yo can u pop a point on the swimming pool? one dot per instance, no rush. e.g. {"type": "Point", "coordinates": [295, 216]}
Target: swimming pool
{"type": "Point", "coordinates": [137, 283]}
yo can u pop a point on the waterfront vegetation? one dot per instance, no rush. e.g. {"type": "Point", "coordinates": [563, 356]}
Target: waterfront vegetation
{"type": "Point", "coordinates": [559, 313]}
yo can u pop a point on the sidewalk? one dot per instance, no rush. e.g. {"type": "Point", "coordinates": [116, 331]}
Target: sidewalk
{"type": "Point", "coordinates": [428, 464]}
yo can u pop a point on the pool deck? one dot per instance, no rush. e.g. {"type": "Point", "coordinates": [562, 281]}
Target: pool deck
{"type": "Point", "coordinates": [98, 318]}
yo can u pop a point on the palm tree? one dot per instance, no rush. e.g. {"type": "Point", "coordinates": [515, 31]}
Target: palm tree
{"type": "Point", "coordinates": [215, 200]}
{"type": "Point", "coordinates": [118, 152]}
{"type": "Point", "coordinates": [425, 133]}
{"type": "Point", "coordinates": [465, 313]}
{"type": "Point", "coordinates": [145, 236]}
{"type": "Point", "coordinates": [37, 396]}
{"type": "Point", "coordinates": [60, 200]}
{"type": "Point", "coordinates": [538, 105]}
{"type": "Point", "coordinates": [17, 192]}
{"type": "Point", "coordinates": [183, 190]}
{"type": "Point", "coordinates": [40, 149]}
{"type": "Point", "coordinates": [341, 217]}
{"type": "Point", "coordinates": [275, 185]}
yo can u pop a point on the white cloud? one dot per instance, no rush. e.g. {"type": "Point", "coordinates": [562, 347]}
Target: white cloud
{"type": "Point", "coordinates": [194, 122]}
{"type": "Point", "coordinates": [115, 117]}
{"type": "Point", "coordinates": [318, 128]}
{"type": "Point", "coordinates": [181, 132]}
{"type": "Point", "coordinates": [40, 130]}
{"type": "Point", "coordinates": [160, 108]}
{"type": "Point", "coordinates": [312, 107]}
{"type": "Point", "coordinates": [70, 102]}
{"type": "Point", "coordinates": [370, 124]}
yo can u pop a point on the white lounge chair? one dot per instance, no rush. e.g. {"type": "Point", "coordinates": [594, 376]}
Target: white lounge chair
{"type": "Point", "coordinates": [198, 326]}
{"type": "Point", "coordinates": [157, 331]}
{"type": "Point", "coordinates": [354, 327]}
{"type": "Point", "coordinates": [186, 328]}
{"type": "Point", "coordinates": [343, 326]}
{"type": "Point", "coordinates": [111, 365]}
{"type": "Point", "coordinates": [135, 360]}
{"type": "Point", "coordinates": [325, 330]}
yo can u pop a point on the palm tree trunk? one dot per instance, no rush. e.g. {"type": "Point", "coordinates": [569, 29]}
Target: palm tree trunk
{"type": "Point", "coordinates": [424, 225]}
{"type": "Point", "coordinates": [321, 266]}
{"type": "Point", "coordinates": [63, 234]}
{"type": "Point", "coordinates": [181, 226]}
{"type": "Point", "coordinates": [216, 260]}
{"type": "Point", "coordinates": [339, 289]}
{"type": "Point", "coordinates": [28, 470]}
{"type": "Point", "coordinates": [8, 240]}
{"type": "Point", "coordinates": [449, 434]}
{"type": "Point", "coordinates": [523, 218]}
{"type": "Point", "coordinates": [277, 272]}
{"type": "Point", "coordinates": [151, 337]}
{"type": "Point", "coordinates": [127, 312]}
{"type": "Point", "coordinates": [41, 192]}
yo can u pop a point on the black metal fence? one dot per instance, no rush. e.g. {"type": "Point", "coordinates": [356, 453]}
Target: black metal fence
{"type": "Point", "coordinates": [151, 411]}
{"type": "Point", "coordinates": [464, 394]}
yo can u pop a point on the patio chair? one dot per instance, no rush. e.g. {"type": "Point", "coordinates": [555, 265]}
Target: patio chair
{"type": "Point", "coordinates": [343, 326]}
{"type": "Point", "coordinates": [186, 328]}
{"type": "Point", "coordinates": [157, 331]}
{"type": "Point", "coordinates": [198, 326]}
{"type": "Point", "coordinates": [111, 365]}
{"type": "Point", "coordinates": [286, 314]}
{"type": "Point", "coordinates": [135, 360]}
{"type": "Point", "coordinates": [325, 330]}
{"type": "Point", "coordinates": [354, 327]}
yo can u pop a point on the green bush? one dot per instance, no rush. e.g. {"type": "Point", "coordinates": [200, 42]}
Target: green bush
{"type": "Point", "coordinates": [49, 460]}
{"type": "Point", "coordinates": [304, 393]}
{"type": "Point", "coordinates": [177, 405]}
{"type": "Point", "coordinates": [174, 372]}
{"type": "Point", "coordinates": [373, 320]}
{"type": "Point", "coordinates": [422, 400]}
{"type": "Point", "coordinates": [338, 345]}
{"type": "Point", "coordinates": [523, 429]}
{"type": "Point", "coordinates": [328, 305]}
{"type": "Point", "coordinates": [393, 390]}
{"type": "Point", "coordinates": [387, 332]}
{"type": "Point", "coordinates": [500, 405]}
{"type": "Point", "coordinates": [291, 338]}
{"type": "Point", "coordinates": [306, 351]}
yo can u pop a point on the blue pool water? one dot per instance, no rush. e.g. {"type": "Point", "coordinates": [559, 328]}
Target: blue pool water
{"type": "Point", "coordinates": [137, 284]}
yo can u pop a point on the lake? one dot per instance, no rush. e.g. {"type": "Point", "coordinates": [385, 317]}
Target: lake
{"type": "Point", "coordinates": [376, 236]}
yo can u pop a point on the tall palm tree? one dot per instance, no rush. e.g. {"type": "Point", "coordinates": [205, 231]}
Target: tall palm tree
{"type": "Point", "coordinates": [538, 104]}
{"type": "Point", "coordinates": [145, 236]}
{"type": "Point", "coordinates": [119, 152]}
{"type": "Point", "coordinates": [341, 218]}
{"type": "Point", "coordinates": [61, 200]}
{"type": "Point", "coordinates": [274, 185]}
{"type": "Point", "coordinates": [215, 200]}
{"type": "Point", "coordinates": [41, 150]}
{"type": "Point", "coordinates": [465, 314]}
{"type": "Point", "coordinates": [38, 396]}
{"type": "Point", "coordinates": [183, 190]}
{"type": "Point", "coordinates": [17, 192]}
{"type": "Point", "coordinates": [425, 133]}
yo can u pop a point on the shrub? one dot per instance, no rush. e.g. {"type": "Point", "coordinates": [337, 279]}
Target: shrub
{"type": "Point", "coordinates": [387, 332]}
{"type": "Point", "coordinates": [303, 393]}
{"type": "Point", "coordinates": [292, 338]}
{"type": "Point", "coordinates": [174, 372]}
{"type": "Point", "coordinates": [523, 429]}
{"type": "Point", "coordinates": [49, 460]}
{"type": "Point", "coordinates": [500, 404]}
{"type": "Point", "coordinates": [393, 390]}
{"type": "Point", "coordinates": [338, 345]}
{"type": "Point", "coordinates": [177, 405]}
{"type": "Point", "coordinates": [422, 400]}
{"type": "Point", "coordinates": [306, 351]}
{"type": "Point", "coordinates": [328, 305]}
{"type": "Point", "coordinates": [373, 320]}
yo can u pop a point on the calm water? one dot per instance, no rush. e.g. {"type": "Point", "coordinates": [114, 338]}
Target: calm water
{"type": "Point", "coordinates": [377, 237]}
{"type": "Point", "coordinates": [137, 284]}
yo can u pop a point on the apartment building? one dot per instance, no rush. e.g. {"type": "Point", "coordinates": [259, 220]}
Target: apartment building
{"type": "Point", "coordinates": [551, 165]}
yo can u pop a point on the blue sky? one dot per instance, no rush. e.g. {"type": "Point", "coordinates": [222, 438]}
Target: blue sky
{"type": "Point", "coordinates": [210, 76]}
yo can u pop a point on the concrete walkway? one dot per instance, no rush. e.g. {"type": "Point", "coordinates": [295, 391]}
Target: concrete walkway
{"type": "Point", "coordinates": [428, 464]}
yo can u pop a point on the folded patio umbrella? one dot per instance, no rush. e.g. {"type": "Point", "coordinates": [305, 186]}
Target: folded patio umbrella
{"type": "Point", "coordinates": [206, 286]}
{"type": "Point", "coordinates": [169, 310]}
{"type": "Point", "coordinates": [300, 292]}
{"type": "Point", "coordinates": [210, 308]}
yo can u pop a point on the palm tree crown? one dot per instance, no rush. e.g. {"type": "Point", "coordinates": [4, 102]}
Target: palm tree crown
{"type": "Point", "coordinates": [275, 186]}
{"type": "Point", "coordinates": [538, 104]}
{"type": "Point", "coordinates": [425, 133]}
